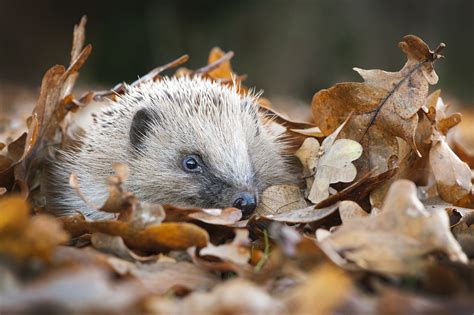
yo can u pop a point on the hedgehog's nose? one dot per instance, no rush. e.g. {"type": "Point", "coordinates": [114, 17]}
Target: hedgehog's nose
{"type": "Point", "coordinates": [245, 201]}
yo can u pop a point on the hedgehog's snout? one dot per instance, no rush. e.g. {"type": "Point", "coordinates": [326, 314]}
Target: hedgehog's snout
{"type": "Point", "coordinates": [245, 201]}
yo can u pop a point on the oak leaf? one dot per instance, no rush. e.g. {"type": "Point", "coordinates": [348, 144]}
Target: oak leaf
{"type": "Point", "coordinates": [280, 198]}
{"type": "Point", "coordinates": [330, 162]}
{"type": "Point", "coordinates": [396, 240]}
{"type": "Point", "coordinates": [385, 106]}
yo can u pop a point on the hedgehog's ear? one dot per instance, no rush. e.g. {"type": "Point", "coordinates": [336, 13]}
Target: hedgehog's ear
{"type": "Point", "coordinates": [141, 124]}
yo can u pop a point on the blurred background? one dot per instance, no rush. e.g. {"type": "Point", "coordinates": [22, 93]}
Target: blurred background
{"type": "Point", "coordinates": [290, 49]}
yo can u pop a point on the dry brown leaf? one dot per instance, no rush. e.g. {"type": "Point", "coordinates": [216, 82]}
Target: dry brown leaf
{"type": "Point", "coordinates": [16, 148]}
{"type": "Point", "coordinates": [396, 240]}
{"type": "Point", "coordinates": [154, 238]}
{"type": "Point", "coordinates": [227, 216]}
{"type": "Point", "coordinates": [116, 246]}
{"type": "Point", "coordinates": [438, 113]}
{"type": "Point", "coordinates": [360, 189]}
{"type": "Point", "coordinates": [384, 106]}
{"type": "Point", "coordinates": [23, 237]}
{"type": "Point", "coordinates": [280, 198]}
{"type": "Point", "coordinates": [306, 215]}
{"type": "Point", "coordinates": [349, 210]}
{"type": "Point", "coordinates": [164, 237]}
{"type": "Point", "coordinates": [310, 132]}
{"type": "Point", "coordinates": [236, 252]}
{"type": "Point", "coordinates": [50, 110]}
{"type": "Point", "coordinates": [394, 301]}
{"type": "Point", "coordinates": [74, 290]}
{"type": "Point", "coordinates": [438, 203]}
{"type": "Point", "coordinates": [324, 291]}
{"type": "Point", "coordinates": [224, 70]}
{"type": "Point", "coordinates": [5, 164]}
{"type": "Point", "coordinates": [118, 201]}
{"type": "Point", "coordinates": [330, 163]}
{"type": "Point", "coordinates": [409, 164]}
{"type": "Point", "coordinates": [308, 154]}
{"type": "Point", "coordinates": [146, 214]}
{"type": "Point", "coordinates": [236, 296]}
{"type": "Point", "coordinates": [453, 176]}
{"type": "Point", "coordinates": [14, 215]}
{"type": "Point", "coordinates": [464, 233]}
{"type": "Point", "coordinates": [163, 277]}
{"type": "Point", "coordinates": [463, 138]}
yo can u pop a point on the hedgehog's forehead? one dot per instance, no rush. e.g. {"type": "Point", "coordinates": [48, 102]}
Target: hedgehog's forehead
{"type": "Point", "coordinates": [222, 136]}
{"type": "Point", "coordinates": [221, 133]}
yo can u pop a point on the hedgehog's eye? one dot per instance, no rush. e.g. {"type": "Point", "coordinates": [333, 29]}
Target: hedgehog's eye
{"type": "Point", "coordinates": [192, 163]}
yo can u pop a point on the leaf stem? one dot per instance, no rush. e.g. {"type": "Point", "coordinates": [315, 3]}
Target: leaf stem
{"type": "Point", "coordinates": [266, 252]}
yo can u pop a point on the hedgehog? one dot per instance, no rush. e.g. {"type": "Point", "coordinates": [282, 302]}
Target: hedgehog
{"type": "Point", "coordinates": [187, 141]}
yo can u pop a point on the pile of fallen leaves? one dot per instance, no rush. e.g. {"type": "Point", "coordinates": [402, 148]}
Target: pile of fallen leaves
{"type": "Point", "coordinates": [385, 223]}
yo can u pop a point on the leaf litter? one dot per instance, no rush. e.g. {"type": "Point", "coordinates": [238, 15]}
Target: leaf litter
{"type": "Point", "coordinates": [383, 219]}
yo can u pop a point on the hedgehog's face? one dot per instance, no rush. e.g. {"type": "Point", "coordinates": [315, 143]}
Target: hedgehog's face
{"type": "Point", "coordinates": [190, 152]}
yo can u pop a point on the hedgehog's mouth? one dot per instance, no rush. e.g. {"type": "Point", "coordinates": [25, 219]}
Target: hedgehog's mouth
{"type": "Point", "coordinates": [245, 201]}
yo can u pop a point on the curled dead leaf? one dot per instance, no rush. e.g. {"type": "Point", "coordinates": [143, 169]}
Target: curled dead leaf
{"type": "Point", "coordinates": [154, 238]}
{"type": "Point", "coordinates": [306, 215]}
{"type": "Point", "coordinates": [310, 132]}
{"type": "Point", "coordinates": [330, 163]}
{"type": "Point", "coordinates": [453, 176]}
{"type": "Point", "coordinates": [227, 216]}
{"type": "Point", "coordinates": [236, 252]}
{"type": "Point", "coordinates": [396, 240]}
